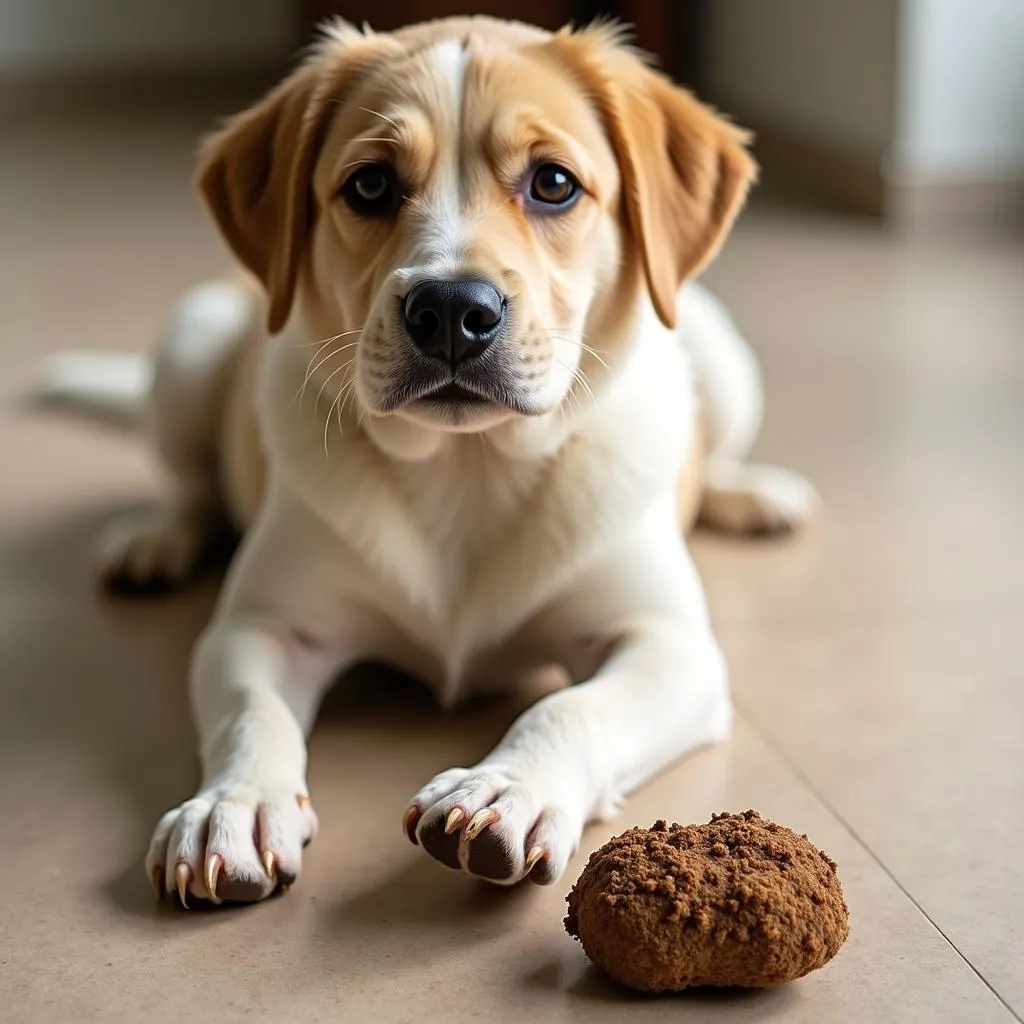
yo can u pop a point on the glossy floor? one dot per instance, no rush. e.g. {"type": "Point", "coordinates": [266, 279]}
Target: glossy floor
{"type": "Point", "coordinates": [875, 661]}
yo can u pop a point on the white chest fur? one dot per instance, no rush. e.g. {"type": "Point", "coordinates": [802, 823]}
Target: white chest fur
{"type": "Point", "coordinates": [476, 540]}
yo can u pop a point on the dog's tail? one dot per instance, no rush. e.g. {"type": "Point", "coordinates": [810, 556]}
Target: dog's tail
{"type": "Point", "coordinates": [112, 386]}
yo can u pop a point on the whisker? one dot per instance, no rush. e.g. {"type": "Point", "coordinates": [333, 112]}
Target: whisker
{"type": "Point", "coordinates": [579, 377]}
{"type": "Point", "coordinates": [356, 163]}
{"type": "Point", "coordinates": [574, 399]}
{"type": "Point", "coordinates": [311, 369]}
{"type": "Point", "coordinates": [327, 427]}
{"type": "Point", "coordinates": [320, 346]}
{"type": "Point", "coordinates": [334, 351]}
{"type": "Point", "coordinates": [330, 377]}
{"type": "Point", "coordinates": [344, 334]}
{"type": "Point", "coordinates": [349, 391]}
{"type": "Point", "coordinates": [341, 405]}
{"type": "Point", "coordinates": [582, 334]}
{"type": "Point", "coordinates": [327, 418]}
{"type": "Point", "coordinates": [586, 348]}
{"type": "Point", "coordinates": [383, 117]}
{"type": "Point", "coordinates": [576, 341]}
{"type": "Point", "coordinates": [594, 353]}
{"type": "Point", "coordinates": [582, 378]}
{"type": "Point", "coordinates": [372, 138]}
{"type": "Point", "coordinates": [300, 394]}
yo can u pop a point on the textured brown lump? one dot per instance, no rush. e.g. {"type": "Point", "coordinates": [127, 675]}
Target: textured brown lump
{"type": "Point", "coordinates": [738, 901]}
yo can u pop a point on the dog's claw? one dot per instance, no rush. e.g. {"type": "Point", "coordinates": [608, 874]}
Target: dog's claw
{"type": "Point", "coordinates": [409, 821]}
{"type": "Point", "coordinates": [480, 821]}
{"type": "Point", "coordinates": [213, 865]}
{"type": "Point", "coordinates": [269, 865]}
{"type": "Point", "coordinates": [182, 876]}
{"type": "Point", "coordinates": [532, 858]}
{"type": "Point", "coordinates": [302, 800]}
{"type": "Point", "coordinates": [455, 819]}
{"type": "Point", "coordinates": [156, 877]}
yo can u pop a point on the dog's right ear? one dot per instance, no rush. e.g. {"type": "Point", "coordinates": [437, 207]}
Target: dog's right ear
{"type": "Point", "coordinates": [255, 174]}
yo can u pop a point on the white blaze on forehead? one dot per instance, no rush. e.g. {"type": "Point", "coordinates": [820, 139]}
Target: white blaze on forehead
{"type": "Point", "coordinates": [444, 235]}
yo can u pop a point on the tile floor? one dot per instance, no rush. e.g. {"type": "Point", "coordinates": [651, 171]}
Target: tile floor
{"type": "Point", "coordinates": [880, 692]}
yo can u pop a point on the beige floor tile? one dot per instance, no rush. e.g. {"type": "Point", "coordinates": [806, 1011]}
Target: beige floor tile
{"type": "Point", "coordinates": [96, 743]}
{"type": "Point", "coordinates": [911, 733]}
{"type": "Point", "coordinates": [895, 377]}
{"type": "Point", "coordinates": [879, 653]}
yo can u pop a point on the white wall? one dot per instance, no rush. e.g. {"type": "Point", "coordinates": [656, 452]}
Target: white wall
{"type": "Point", "coordinates": [961, 104]}
{"type": "Point", "coordinates": [931, 90]}
{"type": "Point", "coordinates": [819, 68]}
{"type": "Point", "coordinates": [46, 36]}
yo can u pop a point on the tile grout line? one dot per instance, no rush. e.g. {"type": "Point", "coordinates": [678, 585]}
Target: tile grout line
{"type": "Point", "coordinates": [827, 804]}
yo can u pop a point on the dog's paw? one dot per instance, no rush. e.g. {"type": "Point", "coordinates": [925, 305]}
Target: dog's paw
{"type": "Point", "coordinates": [753, 499]}
{"type": "Point", "coordinates": [236, 843]}
{"type": "Point", "coordinates": [486, 824]}
{"type": "Point", "coordinates": [156, 550]}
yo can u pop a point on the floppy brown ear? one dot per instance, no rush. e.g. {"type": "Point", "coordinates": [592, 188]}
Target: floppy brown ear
{"type": "Point", "coordinates": [255, 174]}
{"type": "Point", "coordinates": [685, 170]}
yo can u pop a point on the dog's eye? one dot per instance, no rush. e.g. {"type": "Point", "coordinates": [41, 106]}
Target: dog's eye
{"type": "Point", "coordinates": [372, 191]}
{"type": "Point", "coordinates": [553, 186]}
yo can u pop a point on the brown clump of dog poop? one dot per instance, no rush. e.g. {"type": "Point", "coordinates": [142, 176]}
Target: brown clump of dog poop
{"type": "Point", "coordinates": [739, 901]}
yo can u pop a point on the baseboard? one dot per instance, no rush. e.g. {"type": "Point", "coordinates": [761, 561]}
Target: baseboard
{"type": "Point", "coordinates": [99, 93]}
{"type": "Point", "coordinates": [929, 208]}
{"type": "Point", "coordinates": [814, 172]}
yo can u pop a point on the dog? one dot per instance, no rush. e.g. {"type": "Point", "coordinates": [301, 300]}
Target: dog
{"type": "Point", "coordinates": [462, 401]}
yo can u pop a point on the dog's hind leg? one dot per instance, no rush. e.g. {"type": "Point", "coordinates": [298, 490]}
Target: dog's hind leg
{"type": "Point", "coordinates": [738, 496]}
{"type": "Point", "coordinates": [163, 547]}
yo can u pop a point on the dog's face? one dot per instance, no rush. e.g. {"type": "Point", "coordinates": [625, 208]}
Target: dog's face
{"type": "Point", "coordinates": [475, 209]}
{"type": "Point", "coordinates": [467, 222]}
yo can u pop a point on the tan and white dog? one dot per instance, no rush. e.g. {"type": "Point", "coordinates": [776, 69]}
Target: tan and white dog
{"type": "Point", "coordinates": [455, 413]}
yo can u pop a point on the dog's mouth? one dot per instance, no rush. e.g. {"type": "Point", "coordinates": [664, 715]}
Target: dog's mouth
{"type": "Point", "coordinates": [458, 398]}
{"type": "Point", "coordinates": [451, 395]}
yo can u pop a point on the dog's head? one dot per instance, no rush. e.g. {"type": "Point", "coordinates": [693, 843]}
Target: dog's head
{"type": "Point", "coordinates": [471, 213]}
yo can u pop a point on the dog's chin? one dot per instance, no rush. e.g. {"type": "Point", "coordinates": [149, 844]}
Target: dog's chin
{"type": "Point", "coordinates": [469, 419]}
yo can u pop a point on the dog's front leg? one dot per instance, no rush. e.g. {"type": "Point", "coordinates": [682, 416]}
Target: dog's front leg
{"type": "Point", "coordinates": [282, 634]}
{"type": "Point", "coordinates": [573, 756]}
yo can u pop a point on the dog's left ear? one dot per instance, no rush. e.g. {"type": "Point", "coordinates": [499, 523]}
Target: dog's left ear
{"type": "Point", "coordinates": [685, 170]}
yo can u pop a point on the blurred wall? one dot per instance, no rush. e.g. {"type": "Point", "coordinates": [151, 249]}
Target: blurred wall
{"type": "Point", "coordinates": [822, 69]}
{"type": "Point", "coordinates": [912, 110]}
{"type": "Point", "coordinates": [961, 104]}
{"type": "Point", "coordinates": [57, 37]}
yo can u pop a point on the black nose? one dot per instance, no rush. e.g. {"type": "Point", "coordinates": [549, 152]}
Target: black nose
{"type": "Point", "coordinates": [453, 320]}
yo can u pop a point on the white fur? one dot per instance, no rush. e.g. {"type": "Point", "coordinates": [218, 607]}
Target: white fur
{"type": "Point", "coordinates": [738, 497]}
{"type": "Point", "coordinates": [113, 385]}
{"type": "Point", "coordinates": [467, 566]}
{"type": "Point", "coordinates": [444, 229]}
{"type": "Point", "coordinates": [491, 557]}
